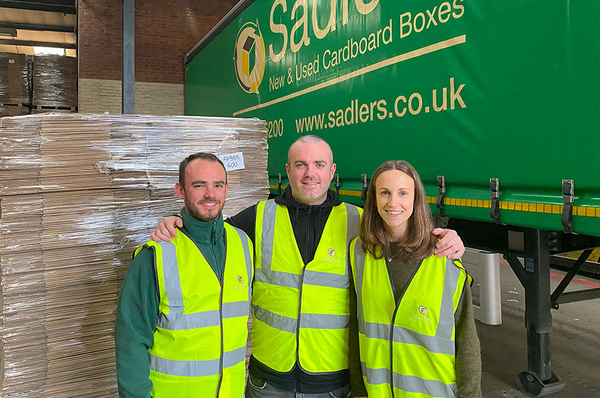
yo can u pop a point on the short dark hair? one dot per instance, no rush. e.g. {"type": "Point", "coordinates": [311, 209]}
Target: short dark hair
{"type": "Point", "coordinates": [199, 155]}
{"type": "Point", "coordinates": [309, 139]}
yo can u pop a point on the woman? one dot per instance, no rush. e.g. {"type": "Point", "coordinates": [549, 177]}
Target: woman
{"type": "Point", "coordinates": [409, 298]}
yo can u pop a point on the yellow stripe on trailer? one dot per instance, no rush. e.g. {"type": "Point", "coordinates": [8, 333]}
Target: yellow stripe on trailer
{"type": "Point", "coordinates": [582, 211]}
{"type": "Point", "coordinates": [350, 193]}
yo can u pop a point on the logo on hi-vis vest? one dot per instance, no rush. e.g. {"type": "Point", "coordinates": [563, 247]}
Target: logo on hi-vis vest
{"type": "Point", "coordinates": [249, 57]}
{"type": "Point", "coordinates": [240, 280]}
{"type": "Point", "coordinates": [331, 258]}
{"type": "Point", "coordinates": [421, 315]}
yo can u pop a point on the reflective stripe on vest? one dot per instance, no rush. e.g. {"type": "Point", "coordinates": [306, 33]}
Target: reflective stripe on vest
{"type": "Point", "coordinates": [296, 303]}
{"type": "Point", "coordinates": [411, 385]}
{"type": "Point", "coordinates": [208, 367]}
{"type": "Point", "coordinates": [200, 336]}
{"type": "Point", "coordinates": [424, 333]}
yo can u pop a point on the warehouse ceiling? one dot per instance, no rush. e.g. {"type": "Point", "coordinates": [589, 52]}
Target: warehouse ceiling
{"type": "Point", "coordinates": [25, 24]}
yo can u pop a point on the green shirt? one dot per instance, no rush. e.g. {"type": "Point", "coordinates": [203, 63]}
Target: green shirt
{"type": "Point", "coordinates": [137, 307]}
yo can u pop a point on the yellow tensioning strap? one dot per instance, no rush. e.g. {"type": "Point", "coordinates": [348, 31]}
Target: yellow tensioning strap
{"type": "Point", "coordinates": [583, 211]}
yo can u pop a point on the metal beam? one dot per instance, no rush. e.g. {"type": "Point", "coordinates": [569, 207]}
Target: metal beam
{"type": "Point", "coordinates": [32, 43]}
{"type": "Point", "coordinates": [8, 32]}
{"type": "Point", "coordinates": [40, 5]}
{"type": "Point", "coordinates": [38, 27]}
{"type": "Point", "coordinates": [51, 2]}
{"type": "Point", "coordinates": [590, 269]}
{"type": "Point", "coordinates": [579, 295]}
{"type": "Point", "coordinates": [54, 2]}
{"type": "Point", "coordinates": [128, 83]}
{"type": "Point", "coordinates": [218, 28]}
{"type": "Point", "coordinates": [569, 277]}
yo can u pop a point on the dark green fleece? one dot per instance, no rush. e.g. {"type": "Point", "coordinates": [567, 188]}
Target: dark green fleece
{"type": "Point", "coordinates": [137, 308]}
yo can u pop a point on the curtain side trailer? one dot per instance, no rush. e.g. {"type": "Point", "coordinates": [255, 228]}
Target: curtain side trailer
{"type": "Point", "coordinates": [496, 104]}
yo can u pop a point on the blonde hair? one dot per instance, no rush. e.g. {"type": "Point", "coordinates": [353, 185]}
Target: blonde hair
{"type": "Point", "coordinates": [419, 242]}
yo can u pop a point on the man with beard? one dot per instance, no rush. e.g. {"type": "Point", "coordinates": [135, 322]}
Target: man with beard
{"type": "Point", "coordinates": [300, 302]}
{"type": "Point", "coordinates": [180, 328]}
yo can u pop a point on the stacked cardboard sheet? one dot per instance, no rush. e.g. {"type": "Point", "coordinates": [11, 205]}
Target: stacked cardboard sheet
{"type": "Point", "coordinates": [54, 81]}
{"type": "Point", "coordinates": [15, 84]}
{"type": "Point", "coordinates": [15, 78]}
{"type": "Point", "coordinates": [12, 110]}
{"type": "Point", "coordinates": [78, 193]}
{"type": "Point", "coordinates": [36, 110]}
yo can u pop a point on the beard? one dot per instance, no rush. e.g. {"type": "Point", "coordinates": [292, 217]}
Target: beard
{"type": "Point", "coordinates": [193, 210]}
{"type": "Point", "coordinates": [309, 196]}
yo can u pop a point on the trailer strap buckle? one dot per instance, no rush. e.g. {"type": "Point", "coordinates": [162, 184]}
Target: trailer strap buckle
{"type": "Point", "coordinates": [568, 193]}
{"type": "Point", "coordinates": [441, 182]}
{"type": "Point", "coordinates": [363, 195]}
{"type": "Point", "coordinates": [495, 196]}
{"type": "Point", "coordinates": [279, 179]}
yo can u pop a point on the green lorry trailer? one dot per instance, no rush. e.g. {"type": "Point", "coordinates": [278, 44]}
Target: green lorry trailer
{"type": "Point", "coordinates": [495, 103]}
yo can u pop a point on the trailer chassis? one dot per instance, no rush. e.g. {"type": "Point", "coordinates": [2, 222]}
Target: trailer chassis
{"type": "Point", "coordinates": [534, 246]}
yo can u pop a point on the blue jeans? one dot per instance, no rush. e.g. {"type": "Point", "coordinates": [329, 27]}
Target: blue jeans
{"type": "Point", "coordinates": [256, 388]}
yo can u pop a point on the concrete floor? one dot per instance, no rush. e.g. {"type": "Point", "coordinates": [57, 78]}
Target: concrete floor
{"type": "Point", "coordinates": [575, 341]}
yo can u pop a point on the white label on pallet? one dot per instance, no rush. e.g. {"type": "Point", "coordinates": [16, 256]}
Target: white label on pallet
{"type": "Point", "coordinates": [233, 161]}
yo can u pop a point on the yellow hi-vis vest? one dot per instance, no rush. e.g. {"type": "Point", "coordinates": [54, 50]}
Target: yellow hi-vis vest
{"type": "Point", "coordinates": [200, 337]}
{"type": "Point", "coordinates": [419, 327]}
{"type": "Point", "coordinates": [301, 312]}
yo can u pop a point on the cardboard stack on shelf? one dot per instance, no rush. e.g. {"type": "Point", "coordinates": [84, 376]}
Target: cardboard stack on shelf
{"type": "Point", "coordinates": [15, 84]}
{"type": "Point", "coordinates": [78, 193]}
{"type": "Point", "coordinates": [54, 84]}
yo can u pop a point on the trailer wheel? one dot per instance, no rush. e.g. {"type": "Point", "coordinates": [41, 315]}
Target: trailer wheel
{"type": "Point", "coordinates": [533, 386]}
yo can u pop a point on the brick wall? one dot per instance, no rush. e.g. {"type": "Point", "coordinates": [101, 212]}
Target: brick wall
{"type": "Point", "coordinates": [99, 39]}
{"type": "Point", "coordinates": [165, 30]}
{"type": "Point", "coordinates": [101, 95]}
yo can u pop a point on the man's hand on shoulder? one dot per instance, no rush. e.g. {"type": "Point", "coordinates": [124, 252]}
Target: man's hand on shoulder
{"type": "Point", "coordinates": [166, 229]}
{"type": "Point", "coordinates": [450, 245]}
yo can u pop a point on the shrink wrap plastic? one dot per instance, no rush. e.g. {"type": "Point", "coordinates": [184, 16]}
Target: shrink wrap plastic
{"type": "Point", "coordinates": [78, 193]}
{"type": "Point", "coordinates": [15, 80]}
{"type": "Point", "coordinates": [7, 110]}
{"type": "Point", "coordinates": [54, 81]}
